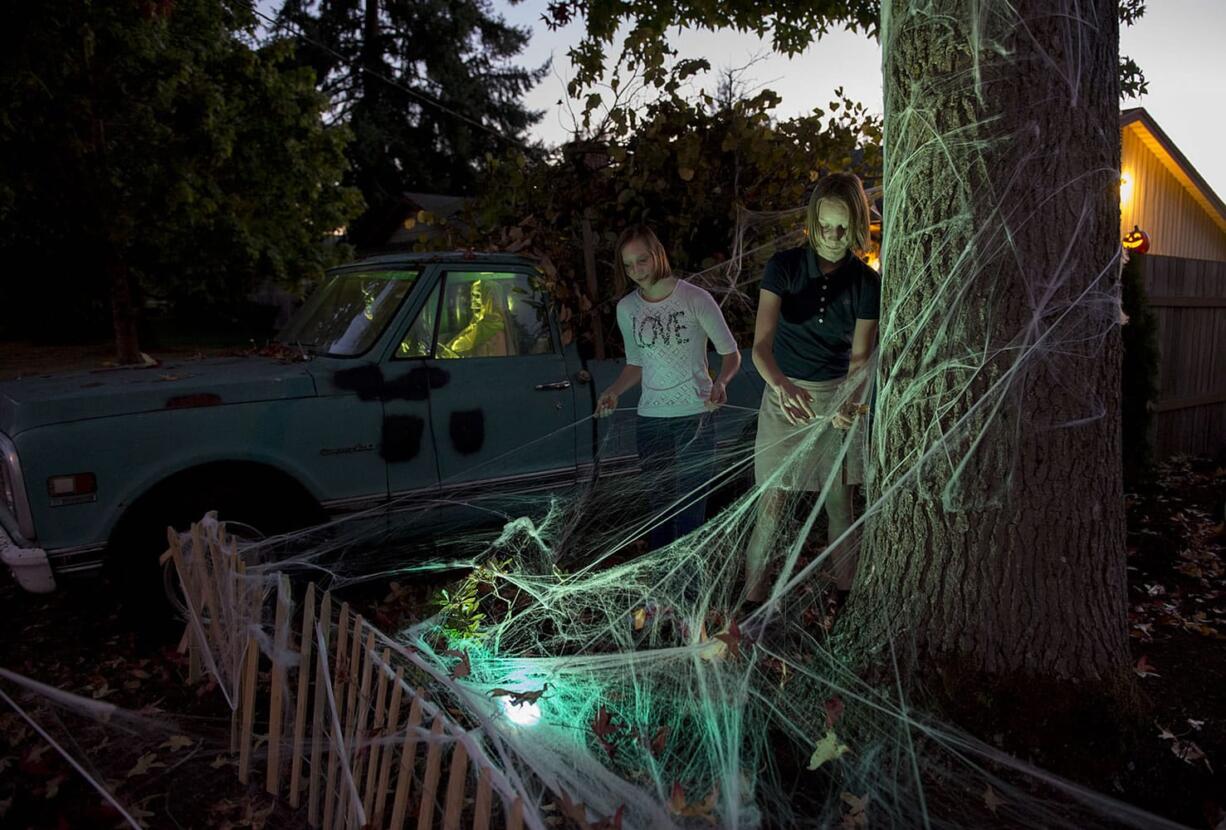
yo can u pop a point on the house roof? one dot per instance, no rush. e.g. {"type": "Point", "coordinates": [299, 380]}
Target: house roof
{"type": "Point", "coordinates": [1160, 144]}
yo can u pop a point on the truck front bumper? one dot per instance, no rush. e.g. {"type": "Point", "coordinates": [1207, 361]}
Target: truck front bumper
{"type": "Point", "coordinates": [29, 565]}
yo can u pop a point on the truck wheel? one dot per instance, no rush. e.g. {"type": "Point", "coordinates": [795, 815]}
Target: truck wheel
{"type": "Point", "coordinates": [251, 510]}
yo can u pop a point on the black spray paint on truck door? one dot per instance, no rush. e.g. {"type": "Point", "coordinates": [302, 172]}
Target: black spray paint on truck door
{"type": "Point", "coordinates": [342, 435]}
{"type": "Point", "coordinates": [501, 400]}
{"type": "Point", "coordinates": [387, 419]}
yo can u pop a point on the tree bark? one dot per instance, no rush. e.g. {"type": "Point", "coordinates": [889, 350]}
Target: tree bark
{"type": "Point", "coordinates": [123, 312]}
{"type": "Point", "coordinates": [996, 537]}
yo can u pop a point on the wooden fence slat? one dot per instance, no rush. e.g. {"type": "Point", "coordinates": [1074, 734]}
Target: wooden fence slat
{"type": "Point", "coordinates": [357, 730]}
{"type": "Point", "coordinates": [408, 759]}
{"type": "Point", "coordinates": [434, 766]}
{"type": "Point", "coordinates": [218, 578]}
{"type": "Point", "coordinates": [481, 809]}
{"type": "Point", "coordinates": [453, 804]}
{"type": "Point", "coordinates": [197, 587]}
{"type": "Point", "coordinates": [354, 672]}
{"type": "Point", "coordinates": [304, 687]}
{"type": "Point", "coordinates": [376, 734]}
{"type": "Point", "coordinates": [515, 821]}
{"type": "Point", "coordinates": [355, 664]}
{"type": "Point", "coordinates": [316, 773]}
{"type": "Point", "coordinates": [393, 721]}
{"type": "Point", "coordinates": [280, 643]}
{"type": "Point", "coordinates": [219, 634]}
{"type": "Point", "coordinates": [248, 697]}
{"type": "Point", "coordinates": [190, 636]}
{"type": "Point", "coordinates": [235, 570]}
{"type": "Point", "coordinates": [340, 670]}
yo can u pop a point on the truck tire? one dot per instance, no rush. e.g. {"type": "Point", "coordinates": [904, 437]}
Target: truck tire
{"type": "Point", "coordinates": [244, 496]}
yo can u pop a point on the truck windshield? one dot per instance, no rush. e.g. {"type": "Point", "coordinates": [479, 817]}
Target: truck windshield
{"type": "Point", "coordinates": [346, 315]}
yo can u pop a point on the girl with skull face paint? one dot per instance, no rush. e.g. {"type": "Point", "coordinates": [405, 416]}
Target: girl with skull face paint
{"type": "Point", "coordinates": [815, 331]}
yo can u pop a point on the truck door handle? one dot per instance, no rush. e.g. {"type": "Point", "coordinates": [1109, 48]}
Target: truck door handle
{"type": "Point", "coordinates": [553, 387]}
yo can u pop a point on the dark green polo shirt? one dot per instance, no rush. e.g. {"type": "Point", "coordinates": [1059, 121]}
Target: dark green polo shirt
{"type": "Point", "coordinates": [819, 311]}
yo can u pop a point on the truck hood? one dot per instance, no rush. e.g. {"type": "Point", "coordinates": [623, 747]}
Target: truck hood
{"type": "Point", "coordinates": [55, 399]}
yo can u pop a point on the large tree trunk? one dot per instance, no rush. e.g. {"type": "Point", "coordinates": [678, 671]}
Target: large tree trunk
{"type": "Point", "coordinates": [997, 541]}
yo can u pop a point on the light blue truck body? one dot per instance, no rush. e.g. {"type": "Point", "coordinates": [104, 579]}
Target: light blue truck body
{"type": "Point", "coordinates": [344, 432]}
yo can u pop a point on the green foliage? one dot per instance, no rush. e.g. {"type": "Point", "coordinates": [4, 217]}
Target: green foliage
{"type": "Point", "coordinates": [462, 617]}
{"type": "Point", "coordinates": [793, 26]}
{"type": "Point", "coordinates": [416, 90]}
{"type": "Point", "coordinates": [152, 139]}
{"type": "Point", "coordinates": [686, 170]}
{"type": "Point", "coordinates": [1140, 372]}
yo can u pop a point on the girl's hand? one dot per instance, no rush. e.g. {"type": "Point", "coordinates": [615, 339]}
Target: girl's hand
{"type": "Point", "coordinates": [607, 405]}
{"type": "Point", "coordinates": [718, 396]}
{"type": "Point", "coordinates": [847, 414]}
{"type": "Point", "coordinates": [797, 403]}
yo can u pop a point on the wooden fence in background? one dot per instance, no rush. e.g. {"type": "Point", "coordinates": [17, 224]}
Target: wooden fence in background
{"type": "Point", "coordinates": [344, 727]}
{"type": "Point", "coordinates": [1188, 297]}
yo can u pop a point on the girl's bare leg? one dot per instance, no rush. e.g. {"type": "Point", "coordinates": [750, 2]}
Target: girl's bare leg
{"type": "Point", "coordinates": [839, 509]}
{"type": "Point", "coordinates": [761, 544]}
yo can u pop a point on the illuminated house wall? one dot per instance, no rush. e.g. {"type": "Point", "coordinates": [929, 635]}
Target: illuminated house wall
{"type": "Point", "coordinates": [1162, 193]}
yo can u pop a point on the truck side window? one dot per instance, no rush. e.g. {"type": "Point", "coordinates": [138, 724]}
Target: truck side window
{"type": "Point", "coordinates": [489, 314]}
{"type": "Point", "coordinates": [416, 341]}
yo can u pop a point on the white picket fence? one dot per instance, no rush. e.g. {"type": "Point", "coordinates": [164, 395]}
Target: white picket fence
{"type": "Point", "coordinates": [342, 724]}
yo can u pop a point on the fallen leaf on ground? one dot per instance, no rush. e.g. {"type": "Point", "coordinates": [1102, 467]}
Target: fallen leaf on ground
{"type": "Point", "coordinates": [732, 639]}
{"type": "Point", "coordinates": [147, 762]}
{"type": "Point", "coordinates": [605, 729]}
{"type": "Point", "coordinates": [828, 748]}
{"type": "Point", "coordinates": [613, 822]}
{"type": "Point", "coordinates": [834, 711]}
{"type": "Point", "coordinates": [856, 815]}
{"type": "Point", "coordinates": [991, 800]}
{"type": "Point", "coordinates": [659, 740]}
{"type": "Point", "coordinates": [53, 786]}
{"type": "Point", "coordinates": [177, 742]}
{"type": "Point", "coordinates": [678, 805]}
{"type": "Point", "coordinates": [640, 618]}
{"type": "Point", "coordinates": [1144, 668]}
{"type": "Point", "coordinates": [461, 669]}
{"type": "Point", "coordinates": [1190, 753]}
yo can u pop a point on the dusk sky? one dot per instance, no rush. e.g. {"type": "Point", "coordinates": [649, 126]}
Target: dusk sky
{"type": "Point", "coordinates": [1180, 44]}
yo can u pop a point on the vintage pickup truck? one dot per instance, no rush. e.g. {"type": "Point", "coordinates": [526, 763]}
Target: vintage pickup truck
{"type": "Point", "coordinates": [401, 374]}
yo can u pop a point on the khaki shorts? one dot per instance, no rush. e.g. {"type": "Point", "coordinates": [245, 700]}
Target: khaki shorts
{"type": "Point", "coordinates": [803, 455]}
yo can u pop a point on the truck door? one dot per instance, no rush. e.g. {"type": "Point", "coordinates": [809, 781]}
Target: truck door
{"type": "Point", "coordinates": [502, 405]}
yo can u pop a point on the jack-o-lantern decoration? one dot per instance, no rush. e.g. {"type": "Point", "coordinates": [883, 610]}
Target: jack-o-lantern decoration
{"type": "Point", "coordinates": [1136, 241]}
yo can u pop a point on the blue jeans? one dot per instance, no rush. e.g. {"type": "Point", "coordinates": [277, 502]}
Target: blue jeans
{"type": "Point", "coordinates": [677, 457]}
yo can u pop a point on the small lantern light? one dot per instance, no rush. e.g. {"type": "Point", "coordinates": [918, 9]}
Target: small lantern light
{"type": "Point", "coordinates": [1136, 241]}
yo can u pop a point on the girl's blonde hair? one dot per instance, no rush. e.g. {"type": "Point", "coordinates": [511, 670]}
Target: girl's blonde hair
{"type": "Point", "coordinates": [847, 188]}
{"type": "Point", "coordinates": [659, 257]}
